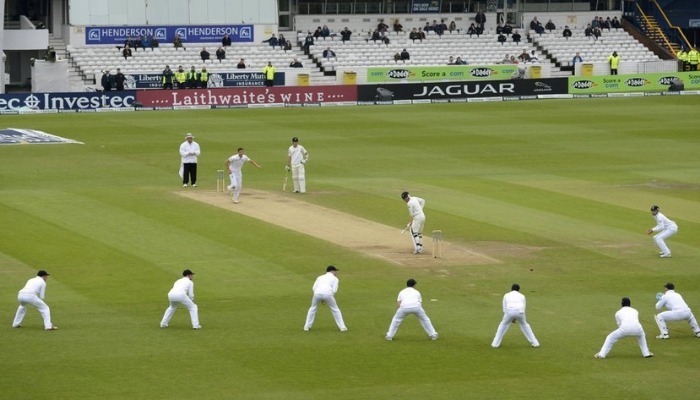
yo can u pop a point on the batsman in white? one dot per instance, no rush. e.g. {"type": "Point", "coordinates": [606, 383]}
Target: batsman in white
{"type": "Point", "coordinates": [297, 157]}
{"type": "Point", "coordinates": [415, 209]}
{"type": "Point", "coordinates": [666, 229]}
{"type": "Point", "coordinates": [408, 302]}
{"type": "Point", "coordinates": [627, 319]}
{"type": "Point", "coordinates": [234, 165]}
{"type": "Point", "coordinates": [677, 310]}
{"type": "Point", "coordinates": [182, 294]}
{"type": "Point", "coordinates": [33, 294]}
{"type": "Point", "coordinates": [324, 289]}
{"type": "Point", "coordinates": [514, 311]}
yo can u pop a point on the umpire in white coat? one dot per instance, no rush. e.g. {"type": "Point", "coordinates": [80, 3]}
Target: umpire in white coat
{"type": "Point", "coordinates": [324, 289]}
{"type": "Point", "coordinates": [627, 319]}
{"type": "Point", "coordinates": [514, 311]}
{"type": "Point", "coordinates": [182, 294]}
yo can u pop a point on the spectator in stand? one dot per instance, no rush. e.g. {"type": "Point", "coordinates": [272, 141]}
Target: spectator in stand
{"type": "Point", "coordinates": [397, 57]}
{"type": "Point", "coordinates": [615, 23]}
{"type": "Point", "coordinates": [601, 23]}
{"type": "Point", "coordinates": [427, 27]}
{"type": "Point", "coordinates": [472, 30]}
{"type": "Point", "coordinates": [129, 42]}
{"type": "Point", "coordinates": [272, 41]}
{"type": "Point", "coordinates": [414, 35]}
{"type": "Point", "coordinates": [168, 78]}
{"type": "Point", "coordinates": [226, 40]}
{"type": "Point", "coordinates": [597, 33]}
{"type": "Point", "coordinates": [506, 59]}
{"type": "Point", "coordinates": [147, 42]}
{"type": "Point", "coordinates": [397, 26]}
{"type": "Point", "coordinates": [516, 37]}
{"type": "Point", "coordinates": [614, 61]}
{"type": "Point", "coordinates": [204, 54]}
{"type": "Point", "coordinates": [296, 64]}
{"type": "Point", "coordinates": [177, 42]}
{"type": "Point", "coordinates": [536, 26]}
{"type": "Point", "coordinates": [453, 26]}
{"type": "Point", "coordinates": [524, 57]}
{"type": "Point", "coordinates": [443, 26]}
{"type": "Point", "coordinates": [405, 56]}
{"type": "Point", "coordinates": [220, 53]}
{"type": "Point", "coordinates": [502, 39]}
{"type": "Point", "coordinates": [139, 43]}
{"type": "Point", "coordinates": [421, 33]}
{"type": "Point", "coordinates": [181, 77]}
{"type": "Point", "coordinates": [119, 79]}
{"type": "Point", "coordinates": [376, 36]}
{"type": "Point", "coordinates": [308, 42]}
{"type": "Point", "coordinates": [325, 31]}
{"type": "Point", "coordinates": [437, 28]}
{"type": "Point", "coordinates": [126, 52]}
{"type": "Point", "coordinates": [451, 61]}
{"type": "Point", "coordinates": [328, 53]}
{"type": "Point", "coordinates": [381, 26]}
{"type": "Point", "coordinates": [459, 61]}
{"type": "Point", "coordinates": [281, 41]}
{"type": "Point", "coordinates": [269, 72]}
{"type": "Point", "coordinates": [566, 32]}
{"type": "Point", "coordinates": [499, 29]}
{"type": "Point", "coordinates": [507, 29]}
{"type": "Point", "coordinates": [480, 19]}
{"type": "Point", "coordinates": [154, 42]}
{"type": "Point", "coordinates": [533, 57]}
{"type": "Point", "coordinates": [550, 26]}
{"type": "Point", "coordinates": [577, 59]}
{"type": "Point", "coordinates": [288, 45]}
{"type": "Point", "coordinates": [106, 81]}
{"type": "Point", "coordinates": [241, 64]}
{"type": "Point", "coordinates": [607, 24]}
{"type": "Point", "coordinates": [588, 31]}
{"type": "Point", "coordinates": [345, 34]}
{"type": "Point", "coordinates": [513, 60]}
{"type": "Point", "coordinates": [594, 23]}
{"type": "Point", "coordinates": [317, 33]}
{"type": "Point", "coordinates": [192, 78]}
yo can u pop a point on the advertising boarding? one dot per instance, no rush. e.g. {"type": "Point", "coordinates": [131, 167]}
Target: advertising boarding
{"type": "Point", "coordinates": [116, 35]}
{"type": "Point", "coordinates": [425, 6]}
{"type": "Point", "coordinates": [75, 101]}
{"type": "Point", "coordinates": [650, 82]}
{"type": "Point", "coordinates": [216, 80]}
{"type": "Point", "coordinates": [443, 73]}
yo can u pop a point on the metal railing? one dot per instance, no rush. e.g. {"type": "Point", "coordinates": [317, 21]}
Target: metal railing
{"type": "Point", "coordinates": [675, 32]}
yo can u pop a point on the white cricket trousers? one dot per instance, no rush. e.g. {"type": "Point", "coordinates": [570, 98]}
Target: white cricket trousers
{"type": "Point", "coordinates": [180, 299]}
{"type": "Point", "coordinates": [617, 334]}
{"type": "Point", "coordinates": [332, 305]}
{"type": "Point", "coordinates": [236, 183]}
{"type": "Point", "coordinates": [665, 234]}
{"type": "Point", "coordinates": [508, 318]}
{"type": "Point", "coordinates": [32, 300]}
{"type": "Point", "coordinates": [299, 178]}
{"type": "Point", "coordinates": [417, 232]}
{"type": "Point", "coordinates": [401, 313]}
{"type": "Point", "coordinates": [678, 315]}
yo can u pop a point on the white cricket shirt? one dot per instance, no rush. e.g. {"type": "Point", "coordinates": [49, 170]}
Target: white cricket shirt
{"type": "Point", "coordinates": [410, 298]}
{"type": "Point", "coordinates": [514, 300]}
{"type": "Point", "coordinates": [672, 301]}
{"type": "Point", "coordinates": [184, 286]}
{"type": "Point", "coordinates": [236, 162]}
{"type": "Point", "coordinates": [627, 318]}
{"type": "Point", "coordinates": [35, 286]}
{"type": "Point", "coordinates": [415, 207]}
{"type": "Point", "coordinates": [663, 223]}
{"type": "Point", "coordinates": [296, 154]}
{"type": "Point", "coordinates": [326, 284]}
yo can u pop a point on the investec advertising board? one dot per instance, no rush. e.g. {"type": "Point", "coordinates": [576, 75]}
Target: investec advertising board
{"type": "Point", "coordinates": [66, 101]}
{"type": "Point", "coordinates": [653, 82]}
{"type": "Point", "coordinates": [442, 73]}
{"type": "Point", "coordinates": [448, 91]}
{"type": "Point", "coordinates": [223, 79]}
{"type": "Point", "coordinates": [166, 34]}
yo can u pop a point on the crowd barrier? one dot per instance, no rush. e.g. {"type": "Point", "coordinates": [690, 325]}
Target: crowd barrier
{"type": "Point", "coordinates": [333, 95]}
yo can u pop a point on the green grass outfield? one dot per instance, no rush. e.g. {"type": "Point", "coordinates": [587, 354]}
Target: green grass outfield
{"type": "Point", "coordinates": [572, 179]}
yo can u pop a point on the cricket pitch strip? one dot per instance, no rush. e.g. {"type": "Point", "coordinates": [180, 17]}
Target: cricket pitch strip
{"type": "Point", "coordinates": [376, 240]}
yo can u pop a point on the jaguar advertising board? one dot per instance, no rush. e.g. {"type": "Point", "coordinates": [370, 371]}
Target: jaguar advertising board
{"type": "Point", "coordinates": [442, 91]}
{"type": "Point", "coordinates": [76, 101]}
{"type": "Point", "coordinates": [252, 96]}
{"type": "Point", "coordinates": [218, 79]}
{"type": "Point", "coordinates": [652, 82]}
{"type": "Point", "coordinates": [116, 35]}
{"type": "Point", "coordinates": [403, 74]}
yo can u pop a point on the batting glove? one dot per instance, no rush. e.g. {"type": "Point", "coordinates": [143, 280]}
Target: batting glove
{"type": "Point", "coordinates": [303, 161]}
{"type": "Point", "coordinates": [286, 167]}
{"type": "Point", "coordinates": [658, 296]}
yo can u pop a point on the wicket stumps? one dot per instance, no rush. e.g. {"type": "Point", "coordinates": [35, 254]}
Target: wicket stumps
{"type": "Point", "coordinates": [437, 244]}
{"type": "Point", "coordinates": [220, 181]}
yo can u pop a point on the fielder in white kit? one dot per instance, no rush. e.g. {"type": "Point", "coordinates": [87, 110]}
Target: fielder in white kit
{"type": "Point", "coordinates": [408, 302]}
{"type": "Point", "coordinates": [677, 310]}
{"type": "Point", "coordinates": [234, 165]}
{"type": "Point", "coordinates": [514, 311]}
{"type": "Point", "coordinates": [627, 319]}
{"type": "Point", "coordinates": [324, 289]}
{"type": "Point", "coordinates": [415, 209]}
{"type": "Point", "coordinates": [33, 294]}
{"type": "Point", "coordinates": [666, 229]}
{"type": "Point", "coordinates": [297, 157]}
{"type": "Point", "coordinates": [182, 294]}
